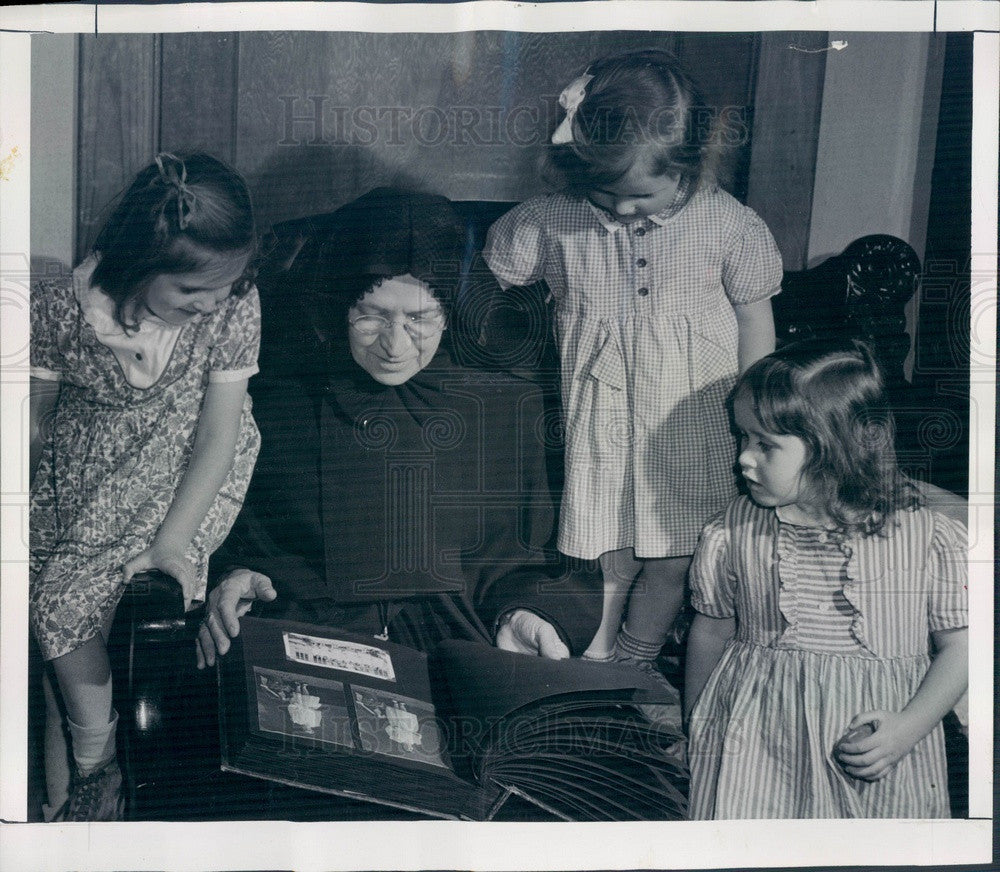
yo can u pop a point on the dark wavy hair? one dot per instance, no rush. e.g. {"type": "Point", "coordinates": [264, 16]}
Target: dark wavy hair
{"type": "Point", "coordinates": [830, 394]}
{"type": "Point", "coordinates": [180, 211]}
{"type": "Point", "coordinates": [636, 99]}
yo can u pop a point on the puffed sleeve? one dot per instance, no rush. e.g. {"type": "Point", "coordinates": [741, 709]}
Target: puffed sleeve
{"type": "Point", "coordinates": [234, 355]}
{"type": "Point", "coordinates": [46, 361]}
{"type": "Point", "coordinates": [948, 605]}
{"type": "Point", "coordinates": [752, 268]}
{"type": "Point", "coordinates": [713, 584]}
{"type": "Point", "coordinates": [515, 246]}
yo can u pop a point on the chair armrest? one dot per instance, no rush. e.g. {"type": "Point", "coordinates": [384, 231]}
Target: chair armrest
{"type": "Point", "coordinates": [155, 602]}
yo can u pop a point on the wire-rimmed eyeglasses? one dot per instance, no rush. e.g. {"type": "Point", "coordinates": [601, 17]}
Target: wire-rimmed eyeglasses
{"type": "Point", "coordinates": [416, 326]}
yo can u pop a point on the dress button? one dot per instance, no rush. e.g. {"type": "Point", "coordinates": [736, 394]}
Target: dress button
{"type": "Point", "coordinates": [643, 292]}
{"type": "Point", "coordinates": [641, 261]}
{"type": "Point", "coordinates": [138, 356]}
{"type": "Point", "coordinates": [640, 231]}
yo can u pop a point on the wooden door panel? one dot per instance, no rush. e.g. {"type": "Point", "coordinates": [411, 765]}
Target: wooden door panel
{"type": "Point", "coordinates": [198, 93]}
{"type": "Point", "coordinates": [117, 122]}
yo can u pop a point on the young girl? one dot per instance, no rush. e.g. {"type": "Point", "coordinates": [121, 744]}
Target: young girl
{"type": "Point", "coordinates": [661, 283]}
{"type": "Point", "coordinates": [815, 599]}
{"type": "Point", "coordinates": [146, 351]}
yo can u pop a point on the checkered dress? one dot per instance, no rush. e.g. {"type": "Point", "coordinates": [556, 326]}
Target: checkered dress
{"type": "Point", "coordinates": [648, 345]}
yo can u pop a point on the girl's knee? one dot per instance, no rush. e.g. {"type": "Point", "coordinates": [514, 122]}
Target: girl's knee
{"type": "Point", "coordinates": [87, 664]}
{"type": "Point", "coordinates": [669, 572]}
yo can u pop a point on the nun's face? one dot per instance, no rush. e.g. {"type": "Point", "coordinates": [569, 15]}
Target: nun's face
{"type": "Point", "coordinates": [395, 329]}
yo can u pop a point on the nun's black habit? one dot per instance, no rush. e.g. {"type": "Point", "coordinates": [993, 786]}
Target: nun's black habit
{"type": "Point", "coordinates": [423, 509]}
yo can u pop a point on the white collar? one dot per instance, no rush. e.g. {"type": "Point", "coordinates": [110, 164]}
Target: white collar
{"type": "Point", "coordinates": [99, 309]}
{"type": "Point", "coordinates": [664, 216]}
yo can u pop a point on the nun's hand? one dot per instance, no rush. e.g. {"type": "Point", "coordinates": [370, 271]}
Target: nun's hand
{"type": "Point", "coordinates": [231, 598]}
{"type": "Point", "coordinates": [525, 632]}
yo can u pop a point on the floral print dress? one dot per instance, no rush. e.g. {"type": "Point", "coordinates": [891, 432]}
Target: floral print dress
{"type": "Point", "coordinates": [115, 453]}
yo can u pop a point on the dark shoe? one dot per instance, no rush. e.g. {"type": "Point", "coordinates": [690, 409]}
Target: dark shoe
{"type": "Point", "coordinates": [97, 796]}
{"type": "Point", "coordinates": [667, 714]}
{"type": "Point", "coordinates": [51, 815]}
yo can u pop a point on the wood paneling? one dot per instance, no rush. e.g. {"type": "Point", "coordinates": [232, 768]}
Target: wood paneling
{"type": "Point", "coordinates": [198, 93]}
{"type": "Point", "coordinates": [724, 65]}
{"type": "Point", "coordinates": [787, 106]}
{"type": "Point", "coordinates": [310, 135]}
{"type": "Point", "coordinates": [464, 115]}
{"type": "Point", "coordinates": [314, 119]}
{"type": "Point", "coordinates": [118, 126]}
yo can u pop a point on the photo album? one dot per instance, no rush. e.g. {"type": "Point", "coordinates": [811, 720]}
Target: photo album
{"type": "Point", "coordinates": [453, 734]}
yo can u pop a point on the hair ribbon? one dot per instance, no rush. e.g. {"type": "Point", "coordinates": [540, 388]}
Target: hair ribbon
{"type": "Point", "coordinates": [185, 196]}
{"type": "Point", "coordinates": [570, 99]}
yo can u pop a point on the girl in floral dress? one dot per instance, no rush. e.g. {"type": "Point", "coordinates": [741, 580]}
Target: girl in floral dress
{"type": "Point", "coordinates": [661, 285]}
{"type": "Point", "coordinates": [139, 369]}
{"type": "Point", "coordinates": [815, 692]}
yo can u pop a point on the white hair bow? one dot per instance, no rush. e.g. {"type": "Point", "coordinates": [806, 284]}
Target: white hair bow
{"type": "Point", "coordinates": [570, 99]}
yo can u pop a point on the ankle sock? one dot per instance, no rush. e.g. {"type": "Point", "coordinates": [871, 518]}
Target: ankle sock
{"type": "Point", "coordinates": [93, 747]}
{"type": "Point", "coordinates": [629, 647]}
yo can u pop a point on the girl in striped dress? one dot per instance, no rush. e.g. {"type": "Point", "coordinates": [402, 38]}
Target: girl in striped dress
{"type": "Point", "coordinates": [817, 598]}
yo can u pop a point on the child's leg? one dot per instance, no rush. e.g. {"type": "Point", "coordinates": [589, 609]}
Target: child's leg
{"type": "Point", "coordinates": [56, 749]}
{"type": "Point", "coordinates": [656, 598]}
{"type": "Point", "coordinates": [85, 684]}
{"type": "Point", "coordinates": [84, 677]}
{"type": "Point", "coordinates": [619, 569]}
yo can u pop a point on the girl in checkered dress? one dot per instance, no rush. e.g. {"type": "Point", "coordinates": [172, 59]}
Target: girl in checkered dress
{"type": "Point", "coordinates": [661, 283]}
{"type": "Point", "coordinates": [808, 666]}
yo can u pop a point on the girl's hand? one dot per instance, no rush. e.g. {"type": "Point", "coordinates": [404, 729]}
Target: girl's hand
{"type": "Point", "coordinates": [169, 560]}
{"type": "Point", "coordinates": [873, 757]}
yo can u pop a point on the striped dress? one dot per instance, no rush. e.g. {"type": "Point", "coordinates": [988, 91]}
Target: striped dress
{"type": "Point", "coordinates": [827, 627]}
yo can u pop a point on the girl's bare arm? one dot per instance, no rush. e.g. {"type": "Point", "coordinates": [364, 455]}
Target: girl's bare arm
{"type": "Point", "coordinates": [706, 641]}
{"type": "Point", "coordinates": [896, 733]}
{"type": "Point", "coordinates": [755, 323]}
{"type": "Point", "coordinates": [211, 459]}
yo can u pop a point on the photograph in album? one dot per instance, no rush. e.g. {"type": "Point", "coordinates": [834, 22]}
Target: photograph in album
{"type": "Point", "coordinates": [453, 734]}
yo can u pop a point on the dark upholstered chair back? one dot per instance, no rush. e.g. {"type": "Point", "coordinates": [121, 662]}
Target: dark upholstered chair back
{"type": "Point", "coordinates": [860, 294]}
